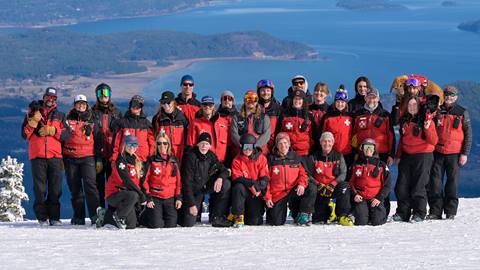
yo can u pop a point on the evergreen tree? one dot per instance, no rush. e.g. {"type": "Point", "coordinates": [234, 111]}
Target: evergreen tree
{"type": "Point", "coordinates": [12, 191]}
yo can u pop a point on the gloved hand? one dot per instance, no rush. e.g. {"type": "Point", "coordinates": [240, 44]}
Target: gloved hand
{"type": "Point", "coordinates": [51, 130]}
{"type": "Point", "coordinates": [99, 166]}
{"type": "Point", "coordinates": [35, 119]}
{"type": "Point", "coordinates": [88, 130]}
{"type": "Point", "coordinates": [43, 131]}
{"type": "Point", "coordinates": [329, 190]}
{"type": "Point", "coordinates": [320, 188]}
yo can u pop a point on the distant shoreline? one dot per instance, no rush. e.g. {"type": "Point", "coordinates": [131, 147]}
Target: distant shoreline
{"type": "Point", "coordinates": [124, 86]}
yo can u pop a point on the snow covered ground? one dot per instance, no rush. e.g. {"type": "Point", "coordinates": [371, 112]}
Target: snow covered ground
{"type": "Point", "coordinates": [431, 244]}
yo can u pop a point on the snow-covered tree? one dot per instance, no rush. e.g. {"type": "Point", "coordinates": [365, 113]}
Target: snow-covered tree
{"type": "Point", "coordinates": [12, 191]}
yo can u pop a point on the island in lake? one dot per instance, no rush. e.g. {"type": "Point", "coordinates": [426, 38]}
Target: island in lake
{"type": "Point", "coordinates": [370, 5]}
{"type": "Point", "coordinates": [471, 26]}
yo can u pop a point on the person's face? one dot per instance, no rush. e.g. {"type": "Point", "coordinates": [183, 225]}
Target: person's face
{"type": "Point", "coordinates": [297, 102]}
{"type": "Point", "coordinates": [319, 96]}
{"type": "Point", "coordinates": [372, 100]}
{"type": "Point", "coordinates": [283, 145]}
{"type": "Point", "coordinates": [265, 93]}
{"type": "Point", "coordinates": [162, 145]}
{"type": "Point", "coordinates": [80, 106]}
{"type": "Point", "coordinates": [327, 145]}
{"type": "Point", "coordinates": [207, 108]}
{"type": "Point", "coordinates": [227, 102]}
{"type": "Point", "coordinates": [203, 147]}
{"type": "Point", "coordinates": [340, 105]}
{"type": "Point", "coordinates": [298, 85]}
{"type": "Point", "coordinates": [414, 90]}
{"type": "Point", "coordinates": [368, 150]}
{"type": "Point", "coordinates": [450, 98]}
{"type": "Point", "coordinates": [187, 88]}
{"type": "Point", "coordinates": [251, 106]}
{"type": "Point", "coordinates": [167, 106]}
{"type": "Point", "coordinates": [247, 152]}
{"type": "Point", "coordinates": [104, 99]}
{"type": "Point", "coordinates": [50, 100]}
{"type": "Point", "coordinates": [412, 107]}
{"type": "Point", "coordinates": [131, 148]}
{"type": "Point", "coordinates": [362, 88]}
{"type": "Point", "coordinates": [136, 110]}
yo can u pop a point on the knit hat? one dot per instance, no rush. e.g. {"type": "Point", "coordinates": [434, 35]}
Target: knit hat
{"type": "Point", "coordinates": [136, 102]}
{"type": "Point", "coordinates": [372, 91]}
{"type": "Point", "coordinates": [299, 93]}
{"type": "Point", "coordinates": [205, 137]}
{"type": "Point", "coordinates": [227, 93]}
{"type": "Point", "coordinates": [327, 135]}
{"type": "Point", "coordinates": [451, 89]}
{"type": "Point", "coordinates": [341, 93]}
{"type": "Point", "coordinates": [281, 136]}
{"type": "Point", "coordinates": [300, 77]}
{"type": "Point", "coordinates": [186, 78]}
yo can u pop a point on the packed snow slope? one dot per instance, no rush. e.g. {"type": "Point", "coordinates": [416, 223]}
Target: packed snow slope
{"type": "Point", "coordinates": [443, 244]}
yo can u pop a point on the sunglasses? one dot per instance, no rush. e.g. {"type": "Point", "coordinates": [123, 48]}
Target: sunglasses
{"type": "Point", "coordinates": [165, 102]}
{"type": "Point", "coordinates": [132, 145]}
{"type": "Point", "coordinates": [450, 94]}
{"type": "Point", "coordinates": [227, 98]}
{"type": "Point", "coordinates": [187, 84]}
{"type": "Point", "coordinates": [265, 83]}
{"type": "Point", "coordinates": [162, 143]}
{"type": "Point", "coordinates": [208, 105]}
{"type": "Point", "coordinates": [50, 98]}
{"type": "Point", "coordinates": [105, 92]}
{"type": "Point", "coordinates": [296, 83]}
{"type": "Point", "coordinates": [368, 147]}
{"type": "Point", "coordinates": [413, 82]}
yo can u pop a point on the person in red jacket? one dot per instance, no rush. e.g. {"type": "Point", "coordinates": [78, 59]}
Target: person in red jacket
{"type": "Point", "coordinates": [298, 123]}
{"type": "Point", "coordinates": [319, 106]}
{"type": "Point", "coordinates": [328, 169]}
{"type": "Point", "coordinates": [104, 114]}
{"type": "Point", "coordinates": [135, 123]}
{"type": "Point", "coordinates": [454, 143]}
{"type": "Point", "coordinates": [171, 121]}
{"type": "Point", "coordinates": [271, 107]}
{"type": "Point", "coordinates": [370, 185]}
{"type": "Point", "coordinates": [43, 128]}
{"type": "Point", "coordinates": [163, 187]}
{"type": "Point", "coordinates": [339, 121]}
{"type": "Point", "coordinates": [227, 110]}
{"type": "Point", "coordinates": [79, 160]}
{"type": "Point", "coordinates": [186, 99]}
{"type": "Point", "coordinates": [288, 184]}
{"type": "Point", "coordinates": [250, 179]}
{"type": "Point", "coordinates": [211, 122]}
{"type": "Point", "coordinates": [418, 138]}
{"type": "Point", "coordinates": [124, 189]}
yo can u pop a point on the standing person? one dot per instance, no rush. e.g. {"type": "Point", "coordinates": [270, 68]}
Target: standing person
{"type": "Point", "coordinates": [186, 99]}
{"type": "Point", "coordinates": [43, 128]}
{"type": "Point", "coordinates": [251, 120]}
{"type": "Point", "coordinates": [211, 122]}
{"type": "Point", "coordinates": [319, 105]}
{"type": "Point", "coordinates": [299, 82]}
{"type": "Point", "coordinates": [328, 169]}
{"type": "Point", "coordinates": [171, 121]}
{"type": "Point", "coordinates": [298, 123]}
{"type": "Point", "coordinates": [79, 160]}
{"type": "Point", "coordinates": [250, 180]}
{"type": "Point", "coordinates": [202, 173]}
{"type": "Point", "coordinates": [451, 152]}
{"type": "Point", "coordinates": [228, 110]}
{"type": "Point", "coordinates": [135, 123]}
{"type": "Point", "coordinates": [288, 184]}
{"type": "Point", "coordinates": [271, 106]}
{"type": "Point", "coordinates": [104, 114]}
{"type": "Point", "coordinates": [124, 191]}
{"type": "Point", "coordinates": [163, 186]}
{"type": "Point", "coordinates": [362, 84]}
{"type": "Point", "coordinates": [339, 121]}
{"type": "Point", "coordinates": [418, 138]}
{"type": "Point", "coordinates": [370, 185]}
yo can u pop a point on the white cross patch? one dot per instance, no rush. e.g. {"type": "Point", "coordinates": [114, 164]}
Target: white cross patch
{"type": "Point", "coordinates": [276, 171]}
{"type": "Point", "coordinates": [121, 166]}
{"type": "Point", "coordinates": [362, 124]}
{"type": "Point", "coordinates": [133, 172]}
{"type": "Point", "coordinates": [157, 171]}
{"type": "Point", "coordinates": [318, 170]}
{"type": "Point", "coordinates": [347, 122]}
{"type": "Point", "coordinates": [358, 172]}
{"type": "Point", "coordinates": [162, 131]}
{"type": "Point", "coordinates": [127, 132]}
{"type": "Point", "coordinates": [289, 125]}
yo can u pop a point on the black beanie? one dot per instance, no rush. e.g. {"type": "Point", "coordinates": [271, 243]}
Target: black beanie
{"type": "Point", "coordinates": [205, 137]}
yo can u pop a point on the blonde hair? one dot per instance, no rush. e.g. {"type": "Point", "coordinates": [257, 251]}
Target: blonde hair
{"type": "Point", "coordinates": [163, 135]}
{"type": "Point", "coordinates": [257, 113]}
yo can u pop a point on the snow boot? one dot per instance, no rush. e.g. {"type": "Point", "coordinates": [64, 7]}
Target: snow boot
{"type": "Point", "coordinates": [397, 218]}
{"type": "Point", "coordinates": [238, 221]}
{"type": "Point", "coordinates": [450, 217]}
{"type": "Point", "coordinates": [77, 221]}
{"type": "Point", "coordinates": [120, 222]}
{"type": "Point", "coordinates": [304, 219]}
{"type": "Point", "coordinates": [333, 216]}
{"type": "Point", "coordinates": [100, 217]}
{"type": "Point", "coordinates": [221, 222]}
{"type": "Point", "coordinates": [434, 217]}
{"type": "Point", "coordinates": [43, 223]}
{"type": "Point", "coordinates": [346, 220]}
{"type": "Point", "coordinates": [55, 223]}
{"type": "Point", "coordinates": [416, 219]}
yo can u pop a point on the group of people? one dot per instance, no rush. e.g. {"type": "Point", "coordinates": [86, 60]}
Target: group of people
{"type": "Point", "coordinates": [325, 162]}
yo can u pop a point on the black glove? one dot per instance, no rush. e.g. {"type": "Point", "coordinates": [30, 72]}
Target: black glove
{"type": "Point", "coordinates": [304, 125]}
{"type": "Point", "coordinates": [88, 130]}
{"type": "Point", "coordinates": [432, 103]}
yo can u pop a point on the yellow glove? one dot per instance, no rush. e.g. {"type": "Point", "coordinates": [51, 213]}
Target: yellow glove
{"type": "Point", "coordinates": [32, 123]}
{"type": "Point", "coordinates": [43, 131]}
{"type": "Point", "coordinates": [354, 141]}
{"type": "Point", "coordinates": [51, 130]}
{"type": "Point", "coordinates": [98, 167]}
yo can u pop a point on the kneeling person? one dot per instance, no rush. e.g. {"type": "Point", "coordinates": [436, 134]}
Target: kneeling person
{"type": "Point", "coordinates": [288, 184]}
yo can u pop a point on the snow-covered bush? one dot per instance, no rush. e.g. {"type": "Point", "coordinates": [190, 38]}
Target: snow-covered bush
{"type": "Point", "coordinates": [12, 191]}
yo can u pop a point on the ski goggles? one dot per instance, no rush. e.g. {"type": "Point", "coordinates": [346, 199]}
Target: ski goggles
{"type": "Point", "coordinates": [104, 92]}
{"type": "Point", "coordinates": [265, 83]}
{"type": "Point", "coordinates": [368, 147]}
{"type": "Point", "coordinates": [340, 95]}
{"type": "Point", "coordinates": [132, 145]}
{"type": "Point", "coordinates": [450, 94]}
{"type": "Point", "coordinates": [250, 97]}
{"type": "Point", "coordinates": [413, 82]}
{"type": "Point", "coordinates": [247, 146]}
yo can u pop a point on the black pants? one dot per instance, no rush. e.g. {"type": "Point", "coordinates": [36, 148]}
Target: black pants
{"type": "Point", "coordinates": [365, 213]}
{"type": "Point", "coordinates": [163, 215]}
{"type": "Point", "coordinates": [386, 201]}
{"type": "Point", "coordinates": [243, 202]}
{"type": "Point", "coordinates": [277, 215]}
{"type": "Point", "coordinates": [219, 204]}
{"type": "Point", "coordinates": [123, 202]}
{"type": "Point", "coordinates": [47, 187]}
{"type": "Point", "coordinates": [440, 198]}
{"type": "Point", "coordinates": [413, 176]}
{"type": "Point", "coordinates": [82, 184]}
{"type": "Point", "coordinates": [341, 194]}
{"type": "Point", "coordinates": [102, 178]}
